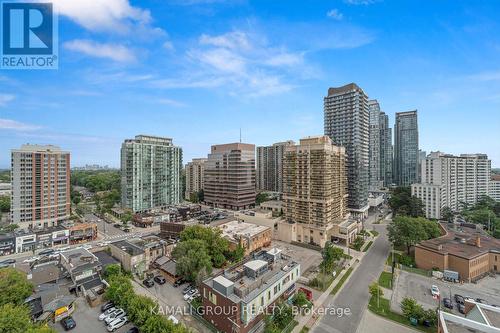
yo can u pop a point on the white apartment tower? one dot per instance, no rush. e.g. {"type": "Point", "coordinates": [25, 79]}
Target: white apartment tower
{"type": "Point", "coordinates": [40, 177]}
{"type": "Point", "coordinates": [270, 166]}
{"type": "Point", "coordinates": [451, 181]}
{"type": "Point", "coordinates": [150, 173]}
{"type": "Point", "coordinates": [194, 176]}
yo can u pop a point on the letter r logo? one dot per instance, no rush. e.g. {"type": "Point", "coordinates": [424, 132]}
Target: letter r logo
{"type": "Point", "coordinates": [27, 28]}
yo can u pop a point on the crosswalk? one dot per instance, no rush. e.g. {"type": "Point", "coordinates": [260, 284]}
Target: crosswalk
{"type": "Point", "coordinates": [128, 235]}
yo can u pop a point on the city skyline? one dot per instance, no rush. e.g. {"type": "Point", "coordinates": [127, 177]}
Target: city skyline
{"type": "Point", "coordinates": [199, 71]}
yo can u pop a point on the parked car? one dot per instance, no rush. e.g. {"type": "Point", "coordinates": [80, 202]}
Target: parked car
{"type": "Point", "coordinates": [448, 303]}
{"type": "Point", "coordinates": [106, 313]}
{"type": "Point", "coordinates": [46, 252]}
{"type": "Point", "coordinates": [148, 283]}
{"type": "Point", "coordinates": [116, 324]}
{"type": "Point", "coordinates": [461, 308]}
{"type": "Point", "coordinates": [8, 261]}
{"type": "Point", "coordinates": [187, 289]}
{"type": "Point", "coordinates": [107, 306]}
{"type": "Point", "coordinates": [459, 299]}
{"type": "Point", "coordinates": [427, 323]}
{"type": "Point", "coordinates": [68, 323]}
{"type": "Point", "coordinates": [190, 294]}
{"type": "Point", "coordinates": [160, 279]}
{"type": "Point", "coordinates": [115, 315]}
{"type": "Point", "coordinates": [435, 291]}
{"type": "Point", "coordinates": [480, 300]}
{"type": "Point", "coordinates": [468, 299]}
{"type": "Point", "coordinates": [133, 330]}
{"type": "Point", "coordinates": [179, 282]}
{"type": "Point", "coordinates": [31, 260]}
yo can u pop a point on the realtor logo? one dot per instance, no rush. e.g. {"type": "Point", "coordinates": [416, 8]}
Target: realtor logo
{"type": "Point", "coordinates": [29, 36]}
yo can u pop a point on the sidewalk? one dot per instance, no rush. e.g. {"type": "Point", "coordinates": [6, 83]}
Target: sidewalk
{"type": "Point", "coordinates": [319, 302]}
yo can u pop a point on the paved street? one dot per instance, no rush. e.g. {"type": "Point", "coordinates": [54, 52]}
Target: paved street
{"type": "Point", "coordinates": [354, 295]}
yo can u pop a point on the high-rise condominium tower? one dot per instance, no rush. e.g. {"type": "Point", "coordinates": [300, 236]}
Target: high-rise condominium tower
{"type": "Point", "coordinates": [151, 168]}
{"type": "Point", "coordinates": [40, 186]}
{"type": "Point", "coordinates": [195, 171]}
{"type": "Point", "coordinates": [314, 190]}
{"type": "Point", "coordinates": [347, 124]}
{"type": "Point", "coordinates": [229, 180]}
{"type": "Point", "coordinates": [452, 181]}
{"type": "Point", "coordinates": [386, 150]}
{"type": "Point", "coordinates": [375, 141]}
{"type": "Point", "coordinates": [270, 166]}
{"type": "Point", "coordinates": [406, 148]}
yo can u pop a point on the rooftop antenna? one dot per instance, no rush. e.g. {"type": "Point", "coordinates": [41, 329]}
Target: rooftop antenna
{"type": "Point", "coordinates": [240, 134]}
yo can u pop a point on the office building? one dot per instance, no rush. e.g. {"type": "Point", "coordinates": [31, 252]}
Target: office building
{"type": "Point", "coordinates": [386, 150]}
{"type": "Point", "coordinates": [270, 166]}
{"type": "Point", "coordinates": [314, 192]}
{"type": "Point", "coordinates": [346, 122]}
{"type": "Point", "coordinates": [237, 299]}
{"type": "Point", "coordinates": [194, 176]}
{"type": "Point", "coordinates": [40, 186]}
{"type": "Point", "coordinates": [150, 173]}
{"type": "Point", "coordinates": [422, 155]}
{"type": "Point", "coordinates": [406, 148]}
{"type": "Point", "coordinates": [451, 181]}
{"type": "Point", "coordinates": [251, 237]}
{"type": "Point", "coordinates": [229, 180]}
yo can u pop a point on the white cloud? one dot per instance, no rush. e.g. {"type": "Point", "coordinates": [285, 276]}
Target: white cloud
{"type": "Point", "coordinates": [103, 15]}
{"type": "Point", "coordinates": [486, 76]}
{"type": "Point", "coordinates": [116, 52]}
{"type": "Point", "coordinates": [10, 124]}
{"type": "Point", "coordinates": [170, 102]}
{"type": "Point", "coordinates": [6, 98]}
{"type": "Point", "coordinates": [335, 14]}
{"type": "Point", "coordinates": [168, 45]}
{"type": "Point", "coordinates": [360, 2]}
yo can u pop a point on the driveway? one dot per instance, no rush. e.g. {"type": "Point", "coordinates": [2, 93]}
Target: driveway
{"type": "Point", "coordinates": [354, 294]}
{"type": "Point", "coordinates": [418, 287]}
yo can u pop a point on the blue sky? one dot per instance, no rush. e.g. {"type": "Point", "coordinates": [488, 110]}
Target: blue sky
{"type": "Point", "coordinates": [199, 70]}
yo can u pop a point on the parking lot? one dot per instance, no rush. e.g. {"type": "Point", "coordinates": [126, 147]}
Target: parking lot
{"type": "Point", "coordinates": [87, 321]}
{"type": "Point", "coordinates": [171, 302]}
{"type": "Point", "coordinates": [418, 287]}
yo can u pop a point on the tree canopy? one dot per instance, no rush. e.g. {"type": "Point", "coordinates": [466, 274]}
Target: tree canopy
{"type": "Point", "coordinates": [403, 203]}
{"type": "Point", "coordinates": [408, 231]}
{"type": "Point", "coordinates": [192, 258]}
{"type": "Point", "coordinates": [97, 180]}
{"type": "Point", "coordinates": [14, 287]}
{"type": "Point", "coordinates": [331, 255]}
{"type": "Point", "coordinates": [217, 247]}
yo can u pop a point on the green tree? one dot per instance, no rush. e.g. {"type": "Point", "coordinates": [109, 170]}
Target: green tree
{"type": "Point", "coordinates": [300, 299]}
{"type": "Point", "coordinates": [430, 315]}
{"type": "Point", "coordinates": [403, 203]}
{"type": "Point", "coordinates": [408, 231]}
{"type": "Point", "coordinates": [375, 290]}
{"type": "Point", "coordinates": [140, 309]}
{"type": "Point", "coordinates": [331, 255]}
{"type": "Point", "coordinates": [14, 319]}
{"type": "Point", "coordinates": [191, 257]}
{"type": "Point", "coordinates": [112, 270]}
{"type": "Point", "coordinates": [216, 245]}
{"type": "Point", "coordinates": [411, 309]}
{"type": "Point", "coordinates": [447, 214]}
{"type": "Point", "coordinates": [157, 324]}
{"type": "Point", "coordinates": [358, 243]}
{"type": "Point", "coordinates": [4, 203]}
{"type": "Point", "coordinates": [237, 254]}
{"type": "Point", "coordinates": [282, 316]}
{"type": "Point", "coordinates": [120, 290]}
{"type": "Point", "coordinates": [261, 197]}
{"type": "Point", "coordinates": [14, 287]}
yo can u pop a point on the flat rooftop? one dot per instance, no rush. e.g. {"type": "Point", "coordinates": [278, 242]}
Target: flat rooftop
{"type": "Point", "coordinates": [128, 247]}
{"type": "Point", "coordinates": [481, 318]}
{"type": "Point", "coordinates": [462, 241]}
{"type": "Point", "coordinates": [235, 229]}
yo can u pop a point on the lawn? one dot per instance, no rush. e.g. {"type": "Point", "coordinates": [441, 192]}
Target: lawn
{"type": "Point", "coordinates": [375, 233]}
{"type": "Point", "coordinates": [385, 280]}
{"type": "Point", "coordinates": [341, 281]}
{"type": "Point", "coordinates": [321, 282]}
{"type": "Point", "coordinates": [382, 308]}
{"type": "Point", "coordinates": [368, 246]}
{"type": "Point", "coordinates": [304, 329]}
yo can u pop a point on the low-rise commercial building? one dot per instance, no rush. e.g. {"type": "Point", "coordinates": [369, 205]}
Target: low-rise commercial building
{"type": "Point", "coordinates": [84, 268]}
{"type": "Point", "coordinates": [463, 249]}
{"type": "Point", "coordinates": [82, 232]}
{"type": "Point", "coordinates": [236, 299]}
{"type": "Point", "coordinates": [7, 244]}
{"type": "Point", "coordinates": [131, 256]}
{"type": "Point", "coordinates": [250, 236]}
